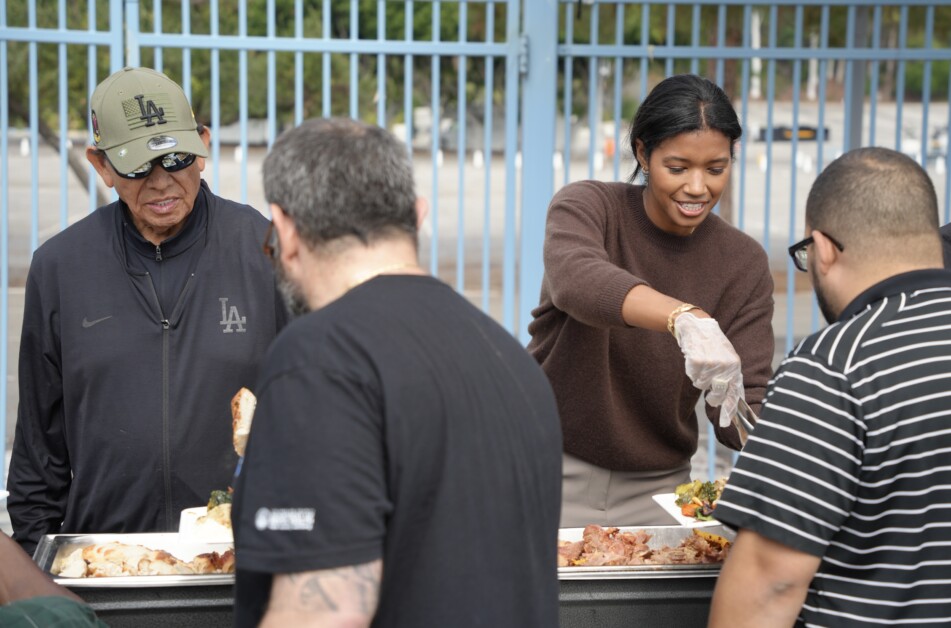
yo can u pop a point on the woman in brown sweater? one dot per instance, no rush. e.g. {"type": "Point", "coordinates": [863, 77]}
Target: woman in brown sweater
{"type": "Point", "coordinates": [626, 264]}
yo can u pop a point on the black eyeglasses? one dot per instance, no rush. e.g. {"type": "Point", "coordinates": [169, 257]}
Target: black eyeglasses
{"type": "Point", "coordinates": [270, 243]}
{"type": "Point", "coordinates": [800, 256]}
{"type": "Point", "coordinates": [172, 162]}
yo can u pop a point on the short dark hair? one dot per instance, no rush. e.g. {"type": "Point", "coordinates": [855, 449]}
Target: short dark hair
{"type": "Point", "coordinates": [680, 104]}
{"type": "Point", "coordinates": [337, 177]}
{"type": "Point", "coordinates": [874, 197]}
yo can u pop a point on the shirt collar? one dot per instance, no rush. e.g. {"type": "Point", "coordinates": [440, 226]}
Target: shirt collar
{"type": "Point", "coordinates": [903, 282]}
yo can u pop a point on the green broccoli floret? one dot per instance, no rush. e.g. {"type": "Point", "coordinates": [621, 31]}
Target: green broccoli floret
{"type": "Point", "coordinates": [217, 498]}
{"type": "Point", "coordinates": [708, 492]}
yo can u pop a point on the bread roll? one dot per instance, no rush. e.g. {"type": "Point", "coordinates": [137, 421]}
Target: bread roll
{"type": "Point", "coordinates": [242, 413]}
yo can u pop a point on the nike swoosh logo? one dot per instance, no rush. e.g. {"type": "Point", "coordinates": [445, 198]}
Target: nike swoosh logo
{"type": "Point", "coordinates": [89, 323]}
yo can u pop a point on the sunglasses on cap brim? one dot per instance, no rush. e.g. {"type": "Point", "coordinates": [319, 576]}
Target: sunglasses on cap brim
{"type": "Point", "coordinates": [172, 162]}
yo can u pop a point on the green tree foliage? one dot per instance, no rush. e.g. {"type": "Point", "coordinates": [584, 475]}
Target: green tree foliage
{"type": "Point", "coordinates": [578, 23]}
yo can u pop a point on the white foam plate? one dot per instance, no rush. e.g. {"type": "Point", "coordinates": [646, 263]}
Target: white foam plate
{"type": "Point", "coordinates": [207, 531]}
{"type": "Point", "coordinates": [667, 501]}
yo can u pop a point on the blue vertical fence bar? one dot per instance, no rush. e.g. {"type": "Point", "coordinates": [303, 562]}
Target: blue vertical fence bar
{"type": "Point", "coordinates": [34, 135]}
{"type": "Point", "coordinates": [131, 21]}
{"type": "Point", "coordinates": [325, 60]}
{"type": "Point", "coordinates": [671, 40]}
{"type": "Point", "coordinates": [215, 102]}
{"type": "Point", "coordinates": [488, 109]}
{"type": "Point", "coordinates": [695, 38]}
{"type": "Point", "coordinates": [873, 75]}
{"type": "Point", "coordinates": [793, 171]}
{"type": "Point", "coordinates": [512, 32]}
{"type": "Point", "coordinates": [744, 120]}
{"type": "Point", "coordinates": [900, 79]}
{"type": "Point", "coordinates": [243, 100]}
{"type": "Point", "coordinates": [594, 94]}
{"type": "Point", "coordinates": [770, 96]}
{"type": "Point", "coordinates": [354, 62]}
{"type": "Point", "coordinates": [721, 40]}
{"type": "Point", "coordinates": [381, 65]}
{"type": "Point", "coordinates": [298, 63]}
{"type": "Point", "coordinates": [461, 153]}
{"type": "Point", "coordinates": [619, 122]}
{"type": "Point", "coordinates": [408, 75]}
{"type": "Point", "coordinates": [63, 122]}
{"type": "Point", "coordinates": [926, 86]}
{"type": "Point", "coordinates": [568, 88]}
{"type": "Point", "coordinates": [271, 76]}
{"type": "Point", "coordinates": [186, 52]}
{"type": "Point", "coordinates": [90, 86]}
{"type": "Point", "coordinates": [538, 118]}
{"type": "Point", "coordinates": [434, 128]}
{"type": "Point", "coordinates": [849, 77]}
{"type": "Point", "coordinates": [157, 29]}
{"type": "Point", "coordinates": [645, 44]}
{"type": "Point", "coordinates": [820, 143]}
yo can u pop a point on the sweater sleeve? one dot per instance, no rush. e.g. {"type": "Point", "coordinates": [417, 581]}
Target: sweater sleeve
{"type": "Point", "coordinates": [582, 280]}
{"type": "Point", "coordinates": [751, 334]}
{"type": "Point", "coordinates": [39, 468]}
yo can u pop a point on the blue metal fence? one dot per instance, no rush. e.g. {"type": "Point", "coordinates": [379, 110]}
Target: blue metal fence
{"type": "Point", "coordinates": [500, 102]}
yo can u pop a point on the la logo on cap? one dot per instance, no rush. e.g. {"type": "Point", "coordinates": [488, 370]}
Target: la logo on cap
{"type": "Point", "coordinates": [150, 111]}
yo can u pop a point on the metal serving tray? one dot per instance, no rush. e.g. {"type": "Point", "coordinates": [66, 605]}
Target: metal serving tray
{"type": "Point", "coordinates": [52, 548]}
{"type": "Point", "coordinates": [660, 536]}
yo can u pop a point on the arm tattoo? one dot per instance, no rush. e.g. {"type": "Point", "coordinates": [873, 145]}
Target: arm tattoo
{"type": "Point", "coordinates": [354, 589]}
{"type": "Point", "coordinates": [313, 593]}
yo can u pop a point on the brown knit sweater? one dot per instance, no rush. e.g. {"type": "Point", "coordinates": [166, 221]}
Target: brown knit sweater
{"type": "Point", "coordinates": [625, 401]}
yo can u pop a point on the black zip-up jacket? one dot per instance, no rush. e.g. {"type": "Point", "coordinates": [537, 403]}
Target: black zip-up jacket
{"type": "Point", "coordinates": [124, 417]}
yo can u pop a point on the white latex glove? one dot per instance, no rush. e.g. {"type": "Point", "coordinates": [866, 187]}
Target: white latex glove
{"type": "Point", "coordinates": [711, 363]}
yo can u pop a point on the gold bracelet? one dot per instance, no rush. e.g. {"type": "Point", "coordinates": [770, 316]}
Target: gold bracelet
{"type": "Point", "coordinates": [680, 309]}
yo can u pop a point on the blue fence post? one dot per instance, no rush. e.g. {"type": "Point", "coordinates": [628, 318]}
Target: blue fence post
{"type": "Point", "coordinates": [131, 35]}
{"type": "Point", "coordinates": [538, 122]}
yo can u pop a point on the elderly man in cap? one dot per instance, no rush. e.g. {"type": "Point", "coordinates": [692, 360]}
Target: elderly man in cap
{"type": "Point", "coordinates": [141, 322]}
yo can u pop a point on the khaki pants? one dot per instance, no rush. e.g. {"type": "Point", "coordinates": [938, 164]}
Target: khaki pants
{"type": "Point", "coordinates": [592, 495]}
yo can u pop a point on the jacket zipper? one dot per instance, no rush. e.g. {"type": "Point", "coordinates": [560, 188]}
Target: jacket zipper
{"type": "Point", "coordinates": [166, 446]}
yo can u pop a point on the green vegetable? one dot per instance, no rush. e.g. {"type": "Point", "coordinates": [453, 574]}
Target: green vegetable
{"type": "Point", "coordinates": [702, 494]}
{"type": "Point", "coordinates": [217, 498]}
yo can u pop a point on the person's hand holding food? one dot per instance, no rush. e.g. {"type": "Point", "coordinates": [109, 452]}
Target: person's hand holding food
{"type": "Point", "coordinates": [711, 362]}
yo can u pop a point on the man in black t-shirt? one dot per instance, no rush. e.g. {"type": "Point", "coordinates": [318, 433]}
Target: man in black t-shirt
{"type": "Point", "coordinates": [404, 467]}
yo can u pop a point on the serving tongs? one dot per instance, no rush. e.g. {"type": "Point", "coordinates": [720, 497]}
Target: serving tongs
{"type": "Point", "coordinates": [744, 419]}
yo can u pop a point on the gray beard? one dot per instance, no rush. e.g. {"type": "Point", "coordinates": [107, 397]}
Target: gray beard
{"type": "Point", "coordinates": [291, 293]}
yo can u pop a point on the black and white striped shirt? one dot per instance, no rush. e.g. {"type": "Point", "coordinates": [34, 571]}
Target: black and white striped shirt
{"type": "Point", "coordinates": [851, 459]}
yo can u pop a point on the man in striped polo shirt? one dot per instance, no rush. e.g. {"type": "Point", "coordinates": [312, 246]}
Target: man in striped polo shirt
{"type": "Point", "coordinates": [842, 496]}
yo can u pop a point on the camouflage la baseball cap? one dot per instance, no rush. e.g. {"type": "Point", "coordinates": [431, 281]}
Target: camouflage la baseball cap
{"type": "Point", "coordinates": [139, 114]}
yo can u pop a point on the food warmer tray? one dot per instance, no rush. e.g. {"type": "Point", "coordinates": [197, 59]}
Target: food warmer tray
{"type": "Point", "coordinates": [660, 536]}
{"type": "Point", "coordinates": [53, 547]}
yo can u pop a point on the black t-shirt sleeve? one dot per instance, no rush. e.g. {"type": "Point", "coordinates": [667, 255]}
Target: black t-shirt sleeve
{"type": "Point", "coordinates": [313, 493]}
